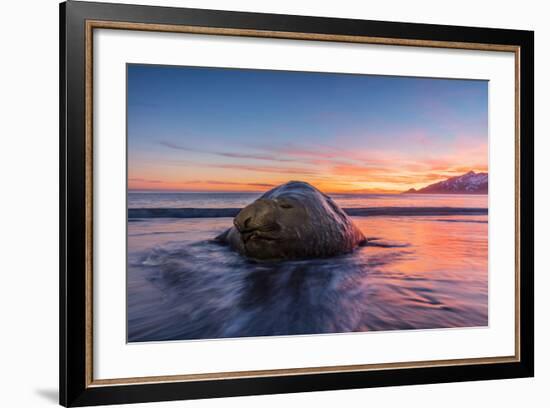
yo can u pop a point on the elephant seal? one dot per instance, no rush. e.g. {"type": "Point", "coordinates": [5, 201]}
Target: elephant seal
{"type": "Point", "coordinates": [292, 221]}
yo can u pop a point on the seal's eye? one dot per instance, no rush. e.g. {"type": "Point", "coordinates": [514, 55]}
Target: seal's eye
{"type": "Point", "coordinates": [285, 205]}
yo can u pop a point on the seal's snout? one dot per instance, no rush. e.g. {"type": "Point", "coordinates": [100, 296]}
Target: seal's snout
{"type": "Point", "coordinates": [247, 222]}
{"type": "Point", "coordinates": [258, 216]}
{"type": "Point", "coordinates": [245, 226]}
{"type": "Point", "coordinates": [243, 221]}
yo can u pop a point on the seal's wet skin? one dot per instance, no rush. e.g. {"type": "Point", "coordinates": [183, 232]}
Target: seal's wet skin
{"type": "Point", "coordinates": [292, 221]}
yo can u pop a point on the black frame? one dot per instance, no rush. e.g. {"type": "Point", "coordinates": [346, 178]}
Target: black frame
{"type": "Point", "coordinates": [73, 389]}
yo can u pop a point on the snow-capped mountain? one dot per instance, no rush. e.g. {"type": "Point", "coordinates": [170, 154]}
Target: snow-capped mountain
{"type": "Point", "coordinates": [469, 183]}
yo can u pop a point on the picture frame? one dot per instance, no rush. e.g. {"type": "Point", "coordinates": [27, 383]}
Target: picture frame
{"type": "Point", "coordinates": [78, 23]}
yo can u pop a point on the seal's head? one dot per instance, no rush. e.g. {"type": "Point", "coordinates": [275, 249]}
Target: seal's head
{"type": "Point", "coordinates": [292, 221]}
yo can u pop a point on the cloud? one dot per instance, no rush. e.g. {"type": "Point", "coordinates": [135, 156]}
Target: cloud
{"type": "Point", "coordinates": [228, 183]}
{"type": "Point", "coordinates": [265, 169]}
{"type": "Point", "coordinates": [325, 155]}
{"type": "Point", "coordinates": [253, 156]}
{"type": "Point", "coordinates": [385, 175]}
{"type": "Point", "coordinates": [142, 180]}
{"type": "Point", "coordinates": [332, 166]}
{"type": "Point", "coordinates": [316, 156]}
{"type": "Point", "coordinates": [177, 146]}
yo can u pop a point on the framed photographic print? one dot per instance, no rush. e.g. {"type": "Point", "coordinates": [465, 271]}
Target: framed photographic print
{"type": "Point", "coordinates": [256, 203]}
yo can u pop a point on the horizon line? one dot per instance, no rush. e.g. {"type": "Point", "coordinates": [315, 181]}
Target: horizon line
{"type": "Point", "coordinates": [141, 190]}
{"type": "Point", "coordinates": [357, 191]}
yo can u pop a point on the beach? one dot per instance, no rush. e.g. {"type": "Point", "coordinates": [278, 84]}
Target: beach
{"type": "Point", "coordinates": [419, 270]}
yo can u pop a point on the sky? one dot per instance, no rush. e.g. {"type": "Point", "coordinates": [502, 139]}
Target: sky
{"type": "Point", "coordinates": [216, 129]}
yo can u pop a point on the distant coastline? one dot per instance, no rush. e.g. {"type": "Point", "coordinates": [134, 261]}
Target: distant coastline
{"type": "Point", "coordinates": [469, 183]}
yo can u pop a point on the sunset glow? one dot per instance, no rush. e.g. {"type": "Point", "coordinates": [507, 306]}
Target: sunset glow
{"type": "Point", "coordinates": [208, 129]}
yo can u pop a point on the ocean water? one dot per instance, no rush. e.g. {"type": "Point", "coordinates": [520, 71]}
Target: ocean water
{"type": "Point", "coordinates": [416, 272]}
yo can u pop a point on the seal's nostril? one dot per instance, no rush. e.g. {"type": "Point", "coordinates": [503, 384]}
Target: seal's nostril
{"type": "Point", "coordinates": [243, 224]}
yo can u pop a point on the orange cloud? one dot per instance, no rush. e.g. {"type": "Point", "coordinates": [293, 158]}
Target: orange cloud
{"type": "Point", "coordinates": [332, 169]}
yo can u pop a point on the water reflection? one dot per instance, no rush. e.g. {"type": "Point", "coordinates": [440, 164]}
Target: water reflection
{"type": "Point", "coordinates": [415, 273]}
